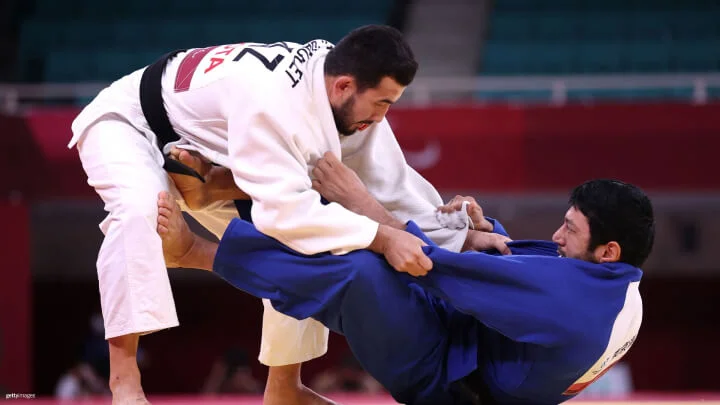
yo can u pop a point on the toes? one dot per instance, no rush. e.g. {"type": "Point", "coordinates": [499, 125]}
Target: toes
{"type": "Point", "coordinates": [190, 160]}
{"type": "Point", "coordinates": [164, 211]}
{"type": "Point", "coordinates": [175, 152]}
{"type": "Point", "coordinates": [163, 220]}
{"type": "Point", "coordinates": [185, 157]}
{"type": "Point", "coordinates": [164, 200]}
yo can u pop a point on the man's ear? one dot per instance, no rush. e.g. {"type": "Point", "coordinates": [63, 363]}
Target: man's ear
{"type": "Point", "coordinates": [608, 253]}
{"type": "Point", "coordinates": [344, 83]}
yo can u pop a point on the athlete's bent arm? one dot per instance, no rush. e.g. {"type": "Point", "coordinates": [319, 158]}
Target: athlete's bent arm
{"type": "Point", "coordinates": [268, 159]}
{"type": "Point", "coordinates": [526, 298]}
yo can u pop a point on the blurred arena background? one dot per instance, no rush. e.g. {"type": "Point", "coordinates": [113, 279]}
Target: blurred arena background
{"type": "Point", "coordinates": [516, 102]}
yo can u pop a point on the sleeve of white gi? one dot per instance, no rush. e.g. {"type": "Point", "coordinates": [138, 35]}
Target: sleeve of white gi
{"type": "Point", "coordinates": [269, 163]}
{"type": "Point", "coordinates": [376, 157]}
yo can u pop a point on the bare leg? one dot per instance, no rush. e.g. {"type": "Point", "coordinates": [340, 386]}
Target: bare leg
{"type": "Point", "coordinates": [285, 388]}
{"type": "Point", "coordinates": [126, 175]}
{"type": "Point", "coordinates": [124, 373]}
{"type": "Point", "coordinates": [182, 248]}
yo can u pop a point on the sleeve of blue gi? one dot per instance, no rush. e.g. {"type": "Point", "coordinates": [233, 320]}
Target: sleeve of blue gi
{"type": "Point", "coordinates": [497, 227]}
{"type": "Point", "coordinates": [529, 299]}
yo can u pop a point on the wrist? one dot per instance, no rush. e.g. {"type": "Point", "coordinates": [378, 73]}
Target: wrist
{"type": "Point", "coordinates": [469, 241]}
{"type": "Point", "coordinates": [395, 223]}
{"type": "Point", "coordinates": [486, 226]}
{"type": "Point", "coordinates": [466, 243]}
{"type": "Point", "coordinates": [379, 243]}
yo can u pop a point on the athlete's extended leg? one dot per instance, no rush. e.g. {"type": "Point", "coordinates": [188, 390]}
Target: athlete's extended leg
{"type": "Point", "coordinates": [393, 328]}
{"type": "Point", "coordinates": [286, 342]}
{"type": "Point", "coordinates": [126, 171]}
{"type": "Point", "coordinates": [185, 249]}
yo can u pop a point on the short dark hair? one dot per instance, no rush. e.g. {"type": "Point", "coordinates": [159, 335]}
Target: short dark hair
{"type": "Point", "coordinates": [617, 211]}
{"type": "Point", "coordinates": [371, 53]}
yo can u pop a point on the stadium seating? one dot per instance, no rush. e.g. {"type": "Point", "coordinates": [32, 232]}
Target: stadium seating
{"type": "Point", "coordinates": [90, 40]}
{"type": "Point", "coordinates": [580, 36]}
{"type": "Point", "coordinates": [563, 37]}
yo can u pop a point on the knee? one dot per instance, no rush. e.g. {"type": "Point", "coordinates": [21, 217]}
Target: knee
{"type": "Point", "coordinates": [370, 270]}
{"type": "Point", "coordinates": [137, 211]}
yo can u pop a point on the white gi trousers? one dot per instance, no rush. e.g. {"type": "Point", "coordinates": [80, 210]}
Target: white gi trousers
{"type": "Point", "coordinates": [125, 168]}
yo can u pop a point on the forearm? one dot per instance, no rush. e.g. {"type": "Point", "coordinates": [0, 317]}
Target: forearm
{"type": "Point", "coordinates": [372, 209]}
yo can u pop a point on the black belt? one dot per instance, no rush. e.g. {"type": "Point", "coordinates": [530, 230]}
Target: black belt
{"type": "Point", "coordinates": [153, 109]}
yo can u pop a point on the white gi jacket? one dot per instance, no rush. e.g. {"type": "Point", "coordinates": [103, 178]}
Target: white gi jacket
{"type": "Point", "coordinates": [263, 111]}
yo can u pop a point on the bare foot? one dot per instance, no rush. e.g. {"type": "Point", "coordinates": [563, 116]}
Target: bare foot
{"type": "Point", "coordinates": [137, 400]}
{"type": "Point", "coordinates": [127, 391]}
{"type": "Point", "coordinates": [125, 381]}
{"type": "Point", "coordinates": [296, 395]}
{"type": "Point", "coordinates": [194, 192]}
{"type": "Point", "coordinates": [177, 239]}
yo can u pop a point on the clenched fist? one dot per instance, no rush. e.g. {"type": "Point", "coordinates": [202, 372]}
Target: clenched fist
{"type": "Point", "coordinates": [402, 250]}
{"type": "Point", "coordinates": [474, 211]}
{"type": "Point", "coordinates": [479, 241]}
{"type": "Point", "coordinates": [337, 183]}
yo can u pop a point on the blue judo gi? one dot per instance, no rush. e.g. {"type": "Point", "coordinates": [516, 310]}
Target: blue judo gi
{"type": "Point", "coordinates": [525, 327]}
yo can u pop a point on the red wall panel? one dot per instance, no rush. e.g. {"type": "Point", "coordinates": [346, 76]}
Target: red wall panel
{"type": "Point", "coordinates": [15, 311]}
{"type": "Point", "coordinates": [668, 147]}
{"type": "Point", "coordinates": [664, 146]}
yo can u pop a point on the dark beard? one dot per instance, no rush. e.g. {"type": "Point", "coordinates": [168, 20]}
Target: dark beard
{"type": "Point", "coordinates": [343, 117]}
{"type": "Point", "coordinates": [590, 256]}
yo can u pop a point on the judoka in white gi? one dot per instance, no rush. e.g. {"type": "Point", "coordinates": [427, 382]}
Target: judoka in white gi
{"type": "Point", "coordinates": [267, 112]}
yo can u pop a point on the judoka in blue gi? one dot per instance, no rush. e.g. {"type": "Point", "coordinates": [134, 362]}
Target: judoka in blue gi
{"type": "Point", "coordinates": [533, 327]}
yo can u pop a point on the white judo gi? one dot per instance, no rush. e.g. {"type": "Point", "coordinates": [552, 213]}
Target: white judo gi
{"type": "Point", "coordinates": [261, 110]}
